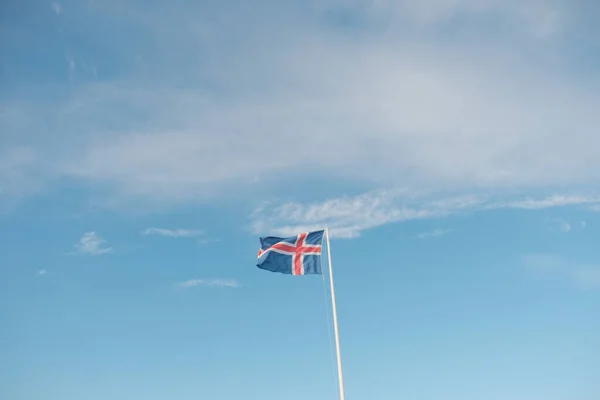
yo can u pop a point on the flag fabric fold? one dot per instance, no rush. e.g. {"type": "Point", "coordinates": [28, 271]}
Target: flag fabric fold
{"type": "Point", "coordinates": [294, 255]}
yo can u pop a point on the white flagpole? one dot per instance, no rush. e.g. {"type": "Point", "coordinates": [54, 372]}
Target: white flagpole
{"type": "Point", "coordinates": [335, 323]}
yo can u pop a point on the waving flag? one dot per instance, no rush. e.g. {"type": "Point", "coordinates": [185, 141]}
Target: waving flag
{"type": "Point", "coordinates": [295, 255]}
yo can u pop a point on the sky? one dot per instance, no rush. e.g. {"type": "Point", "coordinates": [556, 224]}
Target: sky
{"type": "Point", "coordinates": [451, 148]}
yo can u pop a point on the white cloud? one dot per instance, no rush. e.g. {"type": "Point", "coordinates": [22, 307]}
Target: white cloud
{"type": "Point", "coordinates": [176, 233]}
{"type": "Point", "coordinates": [92, 244]}
{"type": "Point", "coordinates": [371, 102]}
{"type": "Point", "coordinates": [562, 225]}
{"type": "Point", "coordinates": [182, 233]}
{"type": "Point", "coordinates": [492, 148]}
{"type": "Point", "coordinates": [548, 265]}
{"type": "Point", "coordinates": [41, 272]}
{"type": "Point", "coordinates": [223, 283]}
{"type": "Point", "coordinates": [567, 227]}
{"type": "Point", "coordinates": [348, 216]}
{"type": "Point", "coordinates": [556, 200]}
{"type": "Point", "coordinates": [433, 234]}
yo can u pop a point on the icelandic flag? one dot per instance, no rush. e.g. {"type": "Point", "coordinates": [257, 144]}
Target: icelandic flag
{"type": "Point", "coordinates": [295, 255]}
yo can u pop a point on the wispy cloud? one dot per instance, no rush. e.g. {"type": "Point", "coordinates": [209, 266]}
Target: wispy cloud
{"type": "Point", "coordinates": [568, 227]}
{"type": "Point", "coordinates": [433, 234]}
{"type": "Point", "coordinates": [547, 265]}
{"type": "Point", "coordinates": [556, 200]}
{"type": "Point", "coordinates": [18, 174]}
{"type": "Point", "coordinates": [564, 226]}
{"type": "Point", "coordinates": [499, 112]}
{"type": "Point", "coordinates": [588, 276]}
{"type": "Point", "coordinates": [348, 216]}
{"type": "Point", "coordinates": [208, 240]}
{"type": "Point", "coordinates": [71, 66]}
{"type": "Point", "coordinates": [56, 6]}
{"type": "Point", "coordinates": [91, 243]}
{"type": "Point", "coordinates": [222, 283]}
{"type": "Point", "coordinates": [543, 263]}
{"type": "Point", "coordinates": [175, 233]}
{"type": "Point", "coordinates": [202, 238]}
{"type": "Point", "coordinates": [41, 272]}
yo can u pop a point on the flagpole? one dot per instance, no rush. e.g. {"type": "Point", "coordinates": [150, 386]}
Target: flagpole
{"type": "Point", "coordinates": [335, 323]}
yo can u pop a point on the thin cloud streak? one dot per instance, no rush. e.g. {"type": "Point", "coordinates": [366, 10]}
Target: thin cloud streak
{"type": "Point", "coordinates": [175, 233]}
{"type": "Point", "coordinates": [433, 234]}
{"type": "Point", "coordinates": [220, 283]}
{"type": "Point", "coordinates": [208, 240]}
{"type": "Point", "coordinates": [556, 200]}
{"type": "Point", "coordinates": [347, 216]}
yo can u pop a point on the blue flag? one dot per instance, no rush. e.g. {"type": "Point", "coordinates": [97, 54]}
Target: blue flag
{"type": "Point", "coordinates": [295, 255]}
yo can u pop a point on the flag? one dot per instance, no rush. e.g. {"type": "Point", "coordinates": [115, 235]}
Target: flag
{"type": "Point", "coordinates": [294, 255]}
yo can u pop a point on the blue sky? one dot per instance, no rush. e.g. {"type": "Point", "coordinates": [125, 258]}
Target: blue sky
{"type": "Point", "coordinates": [451, 148]}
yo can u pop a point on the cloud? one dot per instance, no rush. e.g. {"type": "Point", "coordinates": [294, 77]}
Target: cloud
{"type": "Point", "coordinates": [18, 178]}
{"type": "Point", "coordinates": [567, 227]}
{"type": "Point", "coordinates": [71, 66]}
{"type": "Point", "coordinates": [208, 240]}
{"type": "Point", "coordinates": [544, 262]}
{"type": "Point", "coordinates": [588, 276]}
{"type": "Point", "coordinates": [56, 7]}
{"type": "Point", "coordinates": [348, 216]}
{"type": "Point", "coordinates": [175, 233]}
{"type": "Point", "coordinates": [92, 244]}
{"type": "Point", "coordinates": [556, 200]}
{"type": "Point", "coordinates": [222, 283]}
{"type": "Point", "coordinates": [181, 233]}
{"type": "Point", "coordinates": [454, 95]}
{"type": "Point", "coordinates": [41, 272]}
{"type": "Point", "coordinates": [433, 234]}
{"type": "Point", "coordinates": [547, 265]}
{"type": "Point", "coordinates": [539, 18]}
